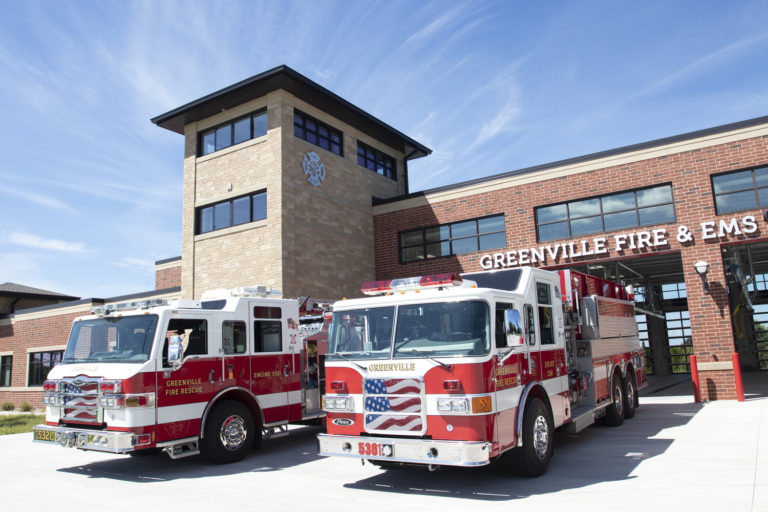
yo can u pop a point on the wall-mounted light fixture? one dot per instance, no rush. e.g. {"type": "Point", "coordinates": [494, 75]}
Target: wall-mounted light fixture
{"type": "Point", "coordinates": [702, 267]}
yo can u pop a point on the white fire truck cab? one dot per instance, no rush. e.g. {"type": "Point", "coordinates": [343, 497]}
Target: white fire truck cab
{"type": "Point", "coordinates": [442, 370]}
{"type": "Point", "coordinates": [187, 376]}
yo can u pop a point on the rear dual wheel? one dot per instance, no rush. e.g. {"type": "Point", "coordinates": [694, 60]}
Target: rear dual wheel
{"type": "Point", "coordinates": [614, 413]}
{"type": "Point", "coordinates": [630, 395]}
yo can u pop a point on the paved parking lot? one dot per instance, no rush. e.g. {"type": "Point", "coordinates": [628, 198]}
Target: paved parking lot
{"type": "Point", "coordinates": [673, 453]}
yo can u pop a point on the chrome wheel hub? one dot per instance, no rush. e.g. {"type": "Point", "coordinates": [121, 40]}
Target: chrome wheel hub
{"type": "Point", "coordinates": [618, 402]}
{"type": "Point", "coordinates": [233, 432]}
{"type": "Point", "coordinates": [630, 394]}
{"type": "Point", "coordinates": [541, 437]}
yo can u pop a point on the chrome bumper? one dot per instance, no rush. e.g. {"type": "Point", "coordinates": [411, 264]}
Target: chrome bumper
{"type": "Point", "coordinates": [84, 439]}
{"type": "Point", "coordinates": [417, 451]}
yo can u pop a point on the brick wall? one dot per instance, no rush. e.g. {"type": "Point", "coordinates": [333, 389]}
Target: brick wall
{"type": "Point", "coordinates": [687, 170]}
{"type": "Point", "coordinates": [168, 277]}
{"type": "Point", "coordinates": [48, 330]}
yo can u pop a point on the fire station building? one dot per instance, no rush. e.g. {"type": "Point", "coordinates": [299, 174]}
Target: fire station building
{"type": "Point", "coordinates": [288, 185]}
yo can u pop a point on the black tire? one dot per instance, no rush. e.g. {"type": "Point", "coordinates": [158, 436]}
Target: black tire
{"type": "Point", "coordinates": [630, 395]}
{"type": "Point", "coordinates": [614, 413]}
{"type": "Point", "coordinates": [532, 459]}
{"type": "Point", "coordinates": [229, 433]}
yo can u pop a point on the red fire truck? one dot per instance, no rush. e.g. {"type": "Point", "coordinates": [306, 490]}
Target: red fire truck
{"type": "Point", "coordinates": [461, 371]}
{"type": "Point", "coordinates": [187, 376]}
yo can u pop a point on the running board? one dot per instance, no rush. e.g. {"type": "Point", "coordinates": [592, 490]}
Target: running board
{"type": "Point", "coordinates": [180, 449]}
{"type": "Point", "coordinates": [275, 432]}
{"type": "Point", "coordinates": [581, 421]}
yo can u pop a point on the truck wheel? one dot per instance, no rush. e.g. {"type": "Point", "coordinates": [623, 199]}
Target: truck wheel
{"type": "Point", "coordinates": [229, 433]}
{"type": "Point", "coordinates": [532, 459]}
{"type": "Point", "coordinates": [614, 413]}
{"type": "Point", "coordinates": [630, 396]}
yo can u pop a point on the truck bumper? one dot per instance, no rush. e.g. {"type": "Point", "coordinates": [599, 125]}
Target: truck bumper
{"type": "Point", "coordinates": [84, 439]}
{"type": "Point", "coordinates": [416, 451]}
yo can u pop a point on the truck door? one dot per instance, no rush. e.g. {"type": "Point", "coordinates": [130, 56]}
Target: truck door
{"type": "Point", "coordinates": [235, 355]}
{"type": "Point", "coordinates": [184, 390]}
{"type": "Point", "coordinates": [271, 364]}
{"type": "Point", "coordinates": [532, 364]}
{"type": "Point", "coordinates": [511, 359]}
{"type": "Point", "coordinates": [551, 365]}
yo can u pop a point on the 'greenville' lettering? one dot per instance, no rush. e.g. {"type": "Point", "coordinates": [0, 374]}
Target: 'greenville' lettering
{"type": "Point", "coordinates": [622, 242]}
{"type": "Point", "coordinates": [392, 367]}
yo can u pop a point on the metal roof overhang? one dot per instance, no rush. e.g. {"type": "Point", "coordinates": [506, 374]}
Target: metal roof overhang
{"type": "Point", "coordinates": [283, 77]}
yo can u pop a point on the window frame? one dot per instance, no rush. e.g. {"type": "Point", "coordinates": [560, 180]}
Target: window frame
{"type": "Point", "coordinates": [32, 382]}
{"type": "Point", "coordinates": [200, 211]}
{"type": "Point", "coordinates": [601, 214]}
{"type": "Point", "coordinates": [378, 156]}
{"type": "Point", "coordinates": [451, 238]}
{"type": "Point", "coordinates": [231, 125]}
{"type": "Point", "coordinates": [330, 131]}
{"type": "Point", "coordinates": [755, 188]}
{"type": "Point", "coordinates": [6, 361]}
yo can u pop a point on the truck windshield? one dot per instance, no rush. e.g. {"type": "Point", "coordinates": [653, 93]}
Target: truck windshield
{"type": "Point", "coordinates": [422, 331]}
{"type": "Point", "coordinates": [126, 339]}
{"type": "Point", "coordinates": [361, 333]}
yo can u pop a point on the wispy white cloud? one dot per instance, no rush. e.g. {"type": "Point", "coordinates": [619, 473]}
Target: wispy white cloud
{"type": "Point", "coordinates": [37, 198]}
{"type": "Point", "coordinates": [699, 65]}
{"type": "Point", "coordinates": [135, 263]}
{"type": "Point", "coordinates": [502, 122]}
{"type": "Point", "coordinates": [49, 244]}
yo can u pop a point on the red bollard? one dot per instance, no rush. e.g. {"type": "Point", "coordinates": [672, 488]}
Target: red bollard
{"type": "Point", "coordinates": [737, 377]}
{"type": "Point", "coordinates": [695, 379]}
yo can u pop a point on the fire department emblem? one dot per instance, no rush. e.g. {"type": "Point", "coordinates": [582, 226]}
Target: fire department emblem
{"type": "Point", "coordinates": [314, 169]}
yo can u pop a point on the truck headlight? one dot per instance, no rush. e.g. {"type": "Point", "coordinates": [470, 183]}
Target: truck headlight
{"type": "Point", "coordinates": [337, 403]}
{"type": "Point", "coordinates": [452, 404]}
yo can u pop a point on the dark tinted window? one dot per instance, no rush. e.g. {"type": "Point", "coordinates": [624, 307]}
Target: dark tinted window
{"type": "Point", "coordinates": [457, 238]}
{"type": "Point", "coordinates": [741, 190]}
{"type": "Point", "coordinates": [611, 212]}
{"type": "Point", "coordinates": [233, 132]}
{"type": "Point", "coordinates": [316, 132]}
{"type": "Point", "coordinates": [232, 212]}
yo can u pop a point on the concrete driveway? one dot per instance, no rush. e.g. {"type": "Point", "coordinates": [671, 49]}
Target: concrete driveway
{"type": "Point", "coordinates": [674, 453]}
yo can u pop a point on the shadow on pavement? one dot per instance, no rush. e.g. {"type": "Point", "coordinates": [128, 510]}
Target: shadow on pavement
{"type": "Point", "coordinates": [299, 447]}
{"type": "Point", "coordinates": [597, 454]}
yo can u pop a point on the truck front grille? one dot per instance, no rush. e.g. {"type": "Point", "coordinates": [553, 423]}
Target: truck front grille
{"type": "Point", "coordinates": [394, 405]}
{"type": "Point", "coordinates": [80, 400]}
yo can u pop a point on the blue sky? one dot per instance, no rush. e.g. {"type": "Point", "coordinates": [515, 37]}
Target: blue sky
{"type": "Point", "coordinates": [90, 189]}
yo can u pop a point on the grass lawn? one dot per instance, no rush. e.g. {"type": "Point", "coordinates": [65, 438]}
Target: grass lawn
{"type": "Point", "coordinates": [18, 423]}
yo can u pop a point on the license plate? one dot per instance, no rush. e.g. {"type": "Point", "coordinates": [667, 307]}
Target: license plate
{"type": "Point", "coordinates": [375, 449]}
{"type": "Point", "coordinates": [48, 436]}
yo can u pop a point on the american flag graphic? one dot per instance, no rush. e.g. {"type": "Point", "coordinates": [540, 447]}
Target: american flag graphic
{"type": "Point", "coordinates": [392, 386]}
{"type": "Point", "coordinates": [393, 422]}
{"type": "Point", "coordinates": [80, 402]}
{"type": "Point", "coordinates": [396, 402]}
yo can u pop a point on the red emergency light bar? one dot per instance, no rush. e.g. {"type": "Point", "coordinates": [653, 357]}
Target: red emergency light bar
{"type": "Point", "coordinates": [411, 283]}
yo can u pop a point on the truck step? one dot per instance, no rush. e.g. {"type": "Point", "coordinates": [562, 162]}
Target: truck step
{"type": "Point", "coordinates": [181, 450]}
{"type": "Point", "coordinates": [581, 419]}
{"type": "Point", "coordinates": [275, 432]}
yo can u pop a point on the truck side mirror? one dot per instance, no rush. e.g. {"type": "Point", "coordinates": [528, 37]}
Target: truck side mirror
{"type": "Point", "coordinates": [175, 351]}
{"type": "Point", "coordinates": [513, 327]}
{"type": "Point", "coordinates": [513, 331]}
